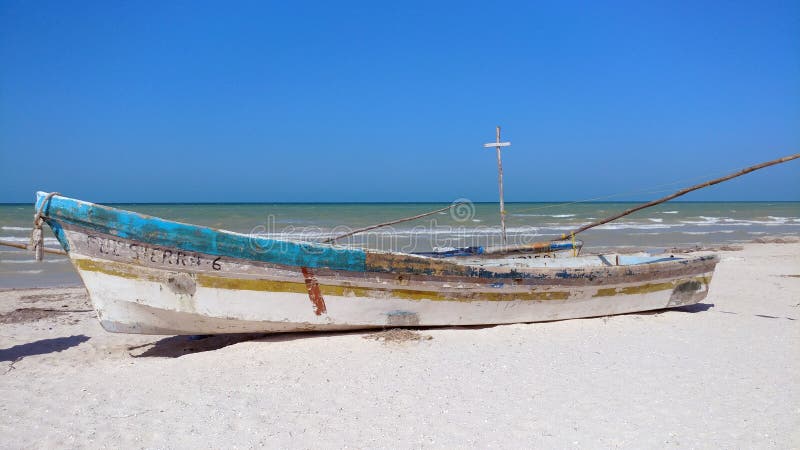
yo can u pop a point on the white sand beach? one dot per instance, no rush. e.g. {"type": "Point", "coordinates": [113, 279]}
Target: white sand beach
{"type": "Point", "coordinates": [721, 374]}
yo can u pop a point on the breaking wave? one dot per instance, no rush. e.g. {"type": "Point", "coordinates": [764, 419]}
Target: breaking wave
{"type": "Point", "coordinates": [728, 221]}
{"type": "Point", "coordinates": [9, 228]}
{"type": "Point", "coordinates": [25, 240]}
{"type": "Point", "coordinates": [557, 216]}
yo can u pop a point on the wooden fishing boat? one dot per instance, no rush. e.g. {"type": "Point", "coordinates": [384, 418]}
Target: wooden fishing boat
{"type": "Point", "coordinates": [155, 276]}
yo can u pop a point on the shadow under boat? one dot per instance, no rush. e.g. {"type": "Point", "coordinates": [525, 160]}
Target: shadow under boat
{"type": "Point", "coordinates": [177, 346]}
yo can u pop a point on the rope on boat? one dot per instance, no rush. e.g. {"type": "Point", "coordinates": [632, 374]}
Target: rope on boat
{"type": "Point", "coordinates": [386, 224]}
{"type": "Point", "coordinates": [681, 192]}
{"type": "Point", "coordinates": [37, 235]}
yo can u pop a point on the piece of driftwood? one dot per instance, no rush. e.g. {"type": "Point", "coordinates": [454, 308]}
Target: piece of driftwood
{"type": "Point", "coordinates": [54, 251]}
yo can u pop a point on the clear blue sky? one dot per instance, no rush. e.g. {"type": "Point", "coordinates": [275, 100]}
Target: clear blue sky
{"type": "Point", "coordinates": [391, 101]}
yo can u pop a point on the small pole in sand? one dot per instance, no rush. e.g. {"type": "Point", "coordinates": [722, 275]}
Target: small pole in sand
{"type": "Point", "coordinates": [497, 144]}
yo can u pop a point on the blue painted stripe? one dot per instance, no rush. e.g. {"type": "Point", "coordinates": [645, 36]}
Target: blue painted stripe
{"type": "Point", "coordinates": [564, 245]}
{"type": "Point", "coordinates": [59, 233]}
{"type": "Point", "coordinates": [165, 233]}
{"type": "Point", "coordinates": [636, 260]}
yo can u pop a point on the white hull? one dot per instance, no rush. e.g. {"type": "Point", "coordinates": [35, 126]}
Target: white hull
{"type": "Point", "coordinates": [130, 305]}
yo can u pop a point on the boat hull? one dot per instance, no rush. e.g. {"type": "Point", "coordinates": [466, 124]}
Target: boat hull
{"type": "Point", "coordinates": [133, 294]}
{"type": "Point", "coordinates": [154, 305]}
{"type": "Point", "coordinates": [149, 277]}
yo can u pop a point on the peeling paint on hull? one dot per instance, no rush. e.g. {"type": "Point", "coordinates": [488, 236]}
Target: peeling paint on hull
{"type": "Point", "coordinates": [143, 277]}
{"type": "Point", "coordinates": [146, 305]}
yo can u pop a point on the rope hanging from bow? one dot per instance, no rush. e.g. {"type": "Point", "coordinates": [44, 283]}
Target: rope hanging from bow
{"type": "Point", "coordinates": [37, 235]}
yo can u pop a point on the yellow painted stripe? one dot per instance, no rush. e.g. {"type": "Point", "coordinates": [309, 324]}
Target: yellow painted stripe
{"type": "Point", "coordinates": [356, 291]}
{"type": "Point", "coordinates": [110, 268]}
{"type": "Point", "coordinates": [644, 288]}
{"type": "Point", "coordinates": [249, 284]}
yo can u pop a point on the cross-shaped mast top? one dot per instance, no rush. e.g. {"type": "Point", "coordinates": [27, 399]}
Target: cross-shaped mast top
{"type": "Point", "coordinates": [497, 144]}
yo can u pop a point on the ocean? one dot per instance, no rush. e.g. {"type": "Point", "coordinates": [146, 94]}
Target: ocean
{"type": "Point", "coordinates": [673, 224]}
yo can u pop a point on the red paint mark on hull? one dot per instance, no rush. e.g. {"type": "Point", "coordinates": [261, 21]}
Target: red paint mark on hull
{"type": "Point", "coordinates": [313, 291]}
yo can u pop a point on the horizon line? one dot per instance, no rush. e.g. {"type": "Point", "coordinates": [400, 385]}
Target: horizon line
{"type": "Point", "coordinates": [408, 202]}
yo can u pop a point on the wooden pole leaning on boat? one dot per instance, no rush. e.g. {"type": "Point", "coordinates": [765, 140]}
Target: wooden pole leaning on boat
{"type": "Point", "coordinates": [680, 193]}
{"type": "Point", "coordinates": [545, 245]}
{"type": "Point", "coordinates": [37, 237]}
{"type": "Point", "coordinates": [386, 224]}
{"type": "Point", "coordinates": [53, 251]}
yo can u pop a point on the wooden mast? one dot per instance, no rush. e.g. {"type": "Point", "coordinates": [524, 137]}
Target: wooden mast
{"type": "Point", "coordinates": [497, 144]}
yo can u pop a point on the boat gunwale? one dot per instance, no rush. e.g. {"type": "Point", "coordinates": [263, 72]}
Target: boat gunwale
{"type": "Point", "coordinates": [530, 276]}
{"type": "Point", "coordinates": [375, 261]}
